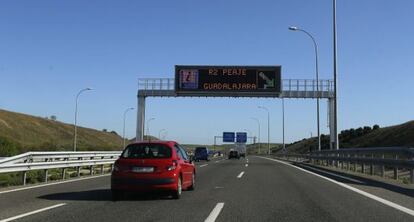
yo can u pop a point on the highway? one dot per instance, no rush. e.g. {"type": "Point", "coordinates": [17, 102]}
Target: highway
{"type": "Point", "coordinates": [252, 189]}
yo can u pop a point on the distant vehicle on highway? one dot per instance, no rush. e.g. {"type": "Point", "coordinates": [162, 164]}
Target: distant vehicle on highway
{"type": "Point", "coordinates": [234, 154]}
{"type": "Point", "coordinates": [201, 153]}
{"type": "Point", "coordinates": [155, 165]}
{"type": "Point", "coordinates": [241, 149]}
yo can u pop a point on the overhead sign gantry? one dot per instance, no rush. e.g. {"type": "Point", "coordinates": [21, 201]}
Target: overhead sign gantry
{"type": "Point", "coordinates": [233, 81]}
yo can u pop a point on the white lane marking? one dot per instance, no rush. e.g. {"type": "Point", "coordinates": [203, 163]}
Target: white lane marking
{"type": "Point", "coordinates": [203, 165]}
{"type": "Point", "coordinates": [336, 175]}
{"type": "Point", "coordinates": [247, 165]}
{"type": "Point", "coordinates": [217, 161]}
{"type": "Point", "coordinates": [32, 212]}
{"type": "Point", "coordinates": [54, 183]}
{"type": "Point", "coordinates": [247, 160]}
{"type": "Point", "coordinates": [379, 199]}
{"type": "Point", "coordinates": [214, 213]}
{"type": "Point", "coordinates": [240, 175]}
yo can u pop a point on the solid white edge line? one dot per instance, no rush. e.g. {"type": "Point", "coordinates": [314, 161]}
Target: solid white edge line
{"type": "Point", "coordinates": [203, 165]}
{"type": "Point", "coordinates": [336, 175]}
{"type": "Point", "coordinates": [240, 175]}
{"type": "Point", "coordinates": [32, 212]}
{"type": "Point", "coordinates": [371, 196]}
{"type": "Point", "coordinates": [214, 213]}
{"type": "Point", "coordinates": [53, 183]}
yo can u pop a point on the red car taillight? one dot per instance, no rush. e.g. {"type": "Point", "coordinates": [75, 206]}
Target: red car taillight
{"type": "Point", "coordinates": [173, 166]}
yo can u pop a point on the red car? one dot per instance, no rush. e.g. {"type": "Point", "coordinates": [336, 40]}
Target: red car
{"type": "Point", "coordinates": [155, 165]}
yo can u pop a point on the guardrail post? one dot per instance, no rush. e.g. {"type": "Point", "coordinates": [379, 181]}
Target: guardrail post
{"type": "Point", "coordinates": [396, 169]}
{"type": "Point", "coordinates": [112, 167]}
{"type": "Point", "coordinates": [78, 171]}
{"type": "Point", "coordinates": [63, 173]}
{"type": "Point", "coordinates": [382, 167]}
{"type": "Point", "coordinates": [46, 175]}
{"type": "Point", "coordinates": [371, 166]}
{"type": "Point", "coordinates": [102, 169]}
{"type": "Point", "coordinates": [363, 165]}
{"type": "Point", "coordinates": [348, 163]}
{"type": "Point", "coordinates": [412, 175]}
{"type": "Point", "coordinates": [91, 170]}
{"type": "Point", "coordinates": [24, 175]}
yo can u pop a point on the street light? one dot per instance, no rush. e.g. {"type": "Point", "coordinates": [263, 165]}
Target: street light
{"type": "Point", "coordinates": [76, 116]}
{"type": "Point", "coordinates": [148, 121]}
{"type": "Point", "coordinates": [159, 133]}
{"type": "Point", "coordinates": [315, 45]}
{"type": "Point", "coordinates": [258, 126]}
{"type": "Point", "coordinates": [283, 124]}
{"type": "Point", "coordinates": [123, 132]}
{"type": "Point", "coordinates": [268, 127]}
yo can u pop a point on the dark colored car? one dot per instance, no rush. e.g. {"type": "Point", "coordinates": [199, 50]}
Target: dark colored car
{"type": "Point", "coordinates": [201, 153]}
{"type": "Point", "coordinates": [234, 154]}
{"type": "Point", "coordinates": [155, 165]}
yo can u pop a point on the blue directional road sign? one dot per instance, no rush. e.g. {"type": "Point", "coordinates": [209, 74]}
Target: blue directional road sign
{"type": "Point", "coordinates": [241, 137]}
{"type": "Point", "coordinates": [228, 137]}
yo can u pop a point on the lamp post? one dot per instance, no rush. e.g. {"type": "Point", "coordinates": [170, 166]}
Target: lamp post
{"type": "Point", "coordinates": [258, 127]}
{"type": "Point", "coordinates": [315, 45]}
{"type": "Point", "coordinates": [76, 117]}
{"type": "Point", "coordinates": [283, 124]}
{"type": "Point", "coordinates": [123, 131]}
{"type": "Point", "coordinates": [148, 129]}
{"type": "Point", "coordinates": [159, 133]}
{"type": "Point", "coordinates": [268, 127]}
{"type": "Point", "coordinates": [336, 146]}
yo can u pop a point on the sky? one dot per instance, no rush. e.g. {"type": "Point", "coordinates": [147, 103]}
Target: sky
{"type": "Point", "coordinates": [49, 50]}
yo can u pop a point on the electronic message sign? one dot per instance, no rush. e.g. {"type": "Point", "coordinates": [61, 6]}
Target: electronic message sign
{"type": "Point", "coordinates": [228, 80]}
{"type": "Point", "coordinates": [228, 137]}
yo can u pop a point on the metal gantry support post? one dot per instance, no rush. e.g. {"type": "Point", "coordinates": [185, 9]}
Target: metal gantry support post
{"type": "Point", "coordinates": [140, 118]}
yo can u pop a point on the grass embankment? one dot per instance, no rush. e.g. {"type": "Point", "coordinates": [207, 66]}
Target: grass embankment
{"type": "Point", "coordinates": [20, 133]}
{"type": "Point", "coordinates": [393, 136]}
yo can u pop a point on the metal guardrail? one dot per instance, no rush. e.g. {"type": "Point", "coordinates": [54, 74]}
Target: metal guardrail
{"type": "Point", "coordinates": [55, 160]}
{"type": "Point", "coordinates": [397, 158]}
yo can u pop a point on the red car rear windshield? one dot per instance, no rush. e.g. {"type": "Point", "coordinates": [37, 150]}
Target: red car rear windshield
{"type": "Point", "coordinates": [147, 151]}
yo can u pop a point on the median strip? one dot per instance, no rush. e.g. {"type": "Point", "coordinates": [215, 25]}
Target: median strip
{"type": "Point", "coordinates": [32, 212]}
{"type": "Point", "coordinates": [214, 213]}
{"type": "Point", "coordinates": [240, 175]}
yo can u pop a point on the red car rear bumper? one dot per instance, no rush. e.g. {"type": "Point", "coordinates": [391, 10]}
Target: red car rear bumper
{"type": "Point", "coordinates": [132, 183]}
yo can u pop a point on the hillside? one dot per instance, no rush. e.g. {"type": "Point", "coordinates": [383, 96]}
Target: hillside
{"type": "Point", "coordinates": [399, 135]}
{"type": "Point", "coordinates": [20, 133]}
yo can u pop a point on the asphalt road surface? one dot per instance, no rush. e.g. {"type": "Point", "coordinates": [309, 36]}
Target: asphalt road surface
{"type": "Point", "coordinates": [251, 189]}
